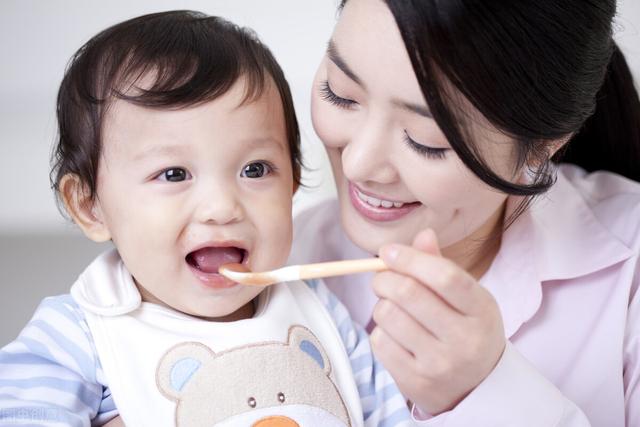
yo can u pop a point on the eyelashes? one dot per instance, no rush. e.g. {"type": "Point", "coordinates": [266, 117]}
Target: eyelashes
{"type": "Point", "coordinates": [257, 169]}
{"type": "Point", "coordinates": [430, 152]}
{"type": "Point", "coordinates": [328, 95]}
{"type": "Point", "coordinates": [425, 150]}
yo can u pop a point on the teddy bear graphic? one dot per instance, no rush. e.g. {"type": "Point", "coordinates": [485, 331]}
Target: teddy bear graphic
{"type": "Point", "coordinates": [269, 384]}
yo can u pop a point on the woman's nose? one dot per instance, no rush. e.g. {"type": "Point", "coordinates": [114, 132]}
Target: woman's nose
{"type": "Point", "coordinates": [366, 156]}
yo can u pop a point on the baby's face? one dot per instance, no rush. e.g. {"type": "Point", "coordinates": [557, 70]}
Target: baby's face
{"type": "Point", "coordinates": [184, 191]}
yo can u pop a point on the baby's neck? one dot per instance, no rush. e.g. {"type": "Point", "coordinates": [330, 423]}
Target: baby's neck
{"type": "Point", "coordinates": [247, 311]}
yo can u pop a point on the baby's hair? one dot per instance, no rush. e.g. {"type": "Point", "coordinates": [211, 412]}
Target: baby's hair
{"type": "Point", "coordinates": [191, 58]}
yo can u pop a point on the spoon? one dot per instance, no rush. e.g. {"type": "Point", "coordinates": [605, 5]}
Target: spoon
{"type": "Point", "coordinates": [239, 273]}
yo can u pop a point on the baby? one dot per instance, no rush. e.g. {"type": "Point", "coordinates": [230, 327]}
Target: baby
{"type": "Point", "coordinates": [179, 143]}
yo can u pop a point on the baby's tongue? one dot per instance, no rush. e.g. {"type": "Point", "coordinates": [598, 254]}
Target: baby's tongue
{"type": "Point", "coordinates": [209, 259]}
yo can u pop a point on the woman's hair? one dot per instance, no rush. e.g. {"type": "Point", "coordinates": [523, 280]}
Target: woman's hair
{"type": "Point", "coordinates": [190, 57]}
{"type": "Point", "coordinates": [539, 71]}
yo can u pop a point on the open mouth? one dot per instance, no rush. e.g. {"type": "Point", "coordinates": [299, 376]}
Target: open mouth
{"type": "Point", "coordinates": [207, 260]}
{"type": "Point", "coordinates": [376, 209]}
{"type": "Point", "coordinates": [377, 203]}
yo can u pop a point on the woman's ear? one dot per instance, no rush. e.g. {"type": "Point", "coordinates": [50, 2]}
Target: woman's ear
{"type": "Point", "coordinates": [559, 144]}
{"type": "Point", "coordinates": [86, 213]}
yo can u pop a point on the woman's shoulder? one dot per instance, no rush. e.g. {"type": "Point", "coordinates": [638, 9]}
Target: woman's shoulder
{"type": "Point", "coordinates": [318, 217]}
{"type": "Point", "coordinates": [317, 233]}
{"type": "Point", "coordinates": [613, 199]}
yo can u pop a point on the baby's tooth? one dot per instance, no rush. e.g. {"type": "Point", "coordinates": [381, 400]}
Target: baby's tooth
{"type": "Point", "coordinates": [398, 204]}
{"type": "Point", "coordinates": [386, 203]}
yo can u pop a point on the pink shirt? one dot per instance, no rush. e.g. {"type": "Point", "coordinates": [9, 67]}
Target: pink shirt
{"type": "Point", "coordinates": [566, 280]}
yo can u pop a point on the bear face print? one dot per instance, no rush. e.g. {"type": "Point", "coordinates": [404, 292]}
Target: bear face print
{"type": "Point", "coordinates": [269, 384]}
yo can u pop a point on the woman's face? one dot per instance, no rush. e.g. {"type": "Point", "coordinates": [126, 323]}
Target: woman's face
{"type": "Point", "coordinates": [394, 169]}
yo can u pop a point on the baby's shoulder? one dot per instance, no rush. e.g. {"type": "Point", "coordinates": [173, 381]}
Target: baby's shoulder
{"type": "Point", "coordinates": [60, 310]}
{"type": "Point", "coordinates": [57, 336]}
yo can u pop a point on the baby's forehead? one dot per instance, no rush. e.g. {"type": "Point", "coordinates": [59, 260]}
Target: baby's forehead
{"type": "Point", "coordinates": [232, 119]}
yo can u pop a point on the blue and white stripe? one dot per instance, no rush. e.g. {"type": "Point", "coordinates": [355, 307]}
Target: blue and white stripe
{"type": "Point", "coordinates": [382, 403]}
{"type": "Point", "coordinates": [51, 375]}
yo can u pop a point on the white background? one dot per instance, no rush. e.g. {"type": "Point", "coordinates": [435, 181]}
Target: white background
{"type": "Point", "coordinates": [41, 253]}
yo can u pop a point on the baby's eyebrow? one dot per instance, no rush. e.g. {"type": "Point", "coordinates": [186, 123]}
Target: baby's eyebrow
{"type": "Point", "coordinates": [159, 151]}
{"type": "Point", "coordinates": [266, 142]}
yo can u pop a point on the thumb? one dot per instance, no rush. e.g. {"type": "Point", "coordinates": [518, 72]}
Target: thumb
{"type": "Point", "coordinates": [426, 241]}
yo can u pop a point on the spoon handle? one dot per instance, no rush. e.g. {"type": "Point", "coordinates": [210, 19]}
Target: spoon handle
{"type": "Point", "coordinates": [338, 268]}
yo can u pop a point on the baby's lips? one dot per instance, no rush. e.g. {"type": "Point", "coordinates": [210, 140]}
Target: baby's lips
{"type": "Point", "coordinates": [209, 259]}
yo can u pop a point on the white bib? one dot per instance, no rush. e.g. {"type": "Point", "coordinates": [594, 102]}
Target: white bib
{"type": "Point", "coordinates": [286, 366]}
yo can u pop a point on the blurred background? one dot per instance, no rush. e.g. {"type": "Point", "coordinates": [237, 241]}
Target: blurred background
{"type": "Point", "coordinates": [41, 253]}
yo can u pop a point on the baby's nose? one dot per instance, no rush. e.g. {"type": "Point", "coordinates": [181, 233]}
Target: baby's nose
{"type": "Point", "coordinates": [218, 207]}
{"type": "Point", "coordinates": [276, 421]}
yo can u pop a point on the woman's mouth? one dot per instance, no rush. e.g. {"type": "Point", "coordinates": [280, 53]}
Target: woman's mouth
{"type": "Point", "coordinates": [204, 263]}
{"type": "Point", "coordinates": [378, 209]}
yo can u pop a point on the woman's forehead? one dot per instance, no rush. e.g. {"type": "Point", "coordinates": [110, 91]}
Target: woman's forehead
{"type": "Point", "coordinates": [367, 42]}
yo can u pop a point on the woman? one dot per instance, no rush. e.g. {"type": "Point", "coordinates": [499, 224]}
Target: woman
{"type": "Point", "coordinates": [512, 296]}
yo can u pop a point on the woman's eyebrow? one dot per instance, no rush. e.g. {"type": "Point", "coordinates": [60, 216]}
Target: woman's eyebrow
{"type": "Point", "coordinates": [336, 58]}
{"type": "Point", "coordinates": [414, 108]}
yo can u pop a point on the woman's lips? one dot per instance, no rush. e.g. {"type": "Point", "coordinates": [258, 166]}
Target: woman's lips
{"type": "Point", "coordinates": [378, 209]}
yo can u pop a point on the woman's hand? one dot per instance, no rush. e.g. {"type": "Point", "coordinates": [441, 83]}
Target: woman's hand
{"type": "Point", "coordinates": [439, 333]}
{"type": "Point", "coordinates": [116, 422]}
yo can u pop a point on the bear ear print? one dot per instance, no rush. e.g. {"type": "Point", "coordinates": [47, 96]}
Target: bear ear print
{"type": "Point", "coordinates": [178, 365]}
{"type": "Point", "coordinates": [304, 340]}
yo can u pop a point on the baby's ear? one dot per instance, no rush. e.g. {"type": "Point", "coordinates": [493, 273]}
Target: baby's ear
{"type": "Point", "coordinates": [86, 213]}
{"type": "Point", "coordinates": [179, 364]}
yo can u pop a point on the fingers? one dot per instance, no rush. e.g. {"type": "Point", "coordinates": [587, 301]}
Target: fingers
{"type": "Point", "coordinates": [402, 296]}
{"type": "Point", "coordinates": [405, 330]}
{"type": "Point", "coordinates": [395, 358]}
{"type": "Point", "coordinates": [442, 276]}
{"type": "Point", "coordinates": [426, 241]}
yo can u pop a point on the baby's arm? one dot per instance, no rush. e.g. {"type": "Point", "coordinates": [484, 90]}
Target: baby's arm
{"type": "Point", "coordinates": [381, 400]}
{"type": "Point", "coordinates": [50, 375]}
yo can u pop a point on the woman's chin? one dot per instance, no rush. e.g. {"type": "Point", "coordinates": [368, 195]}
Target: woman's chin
{"type": "Point", "coordinates": [370, 236]}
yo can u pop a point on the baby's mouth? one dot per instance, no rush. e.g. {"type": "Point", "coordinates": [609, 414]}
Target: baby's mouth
{"type": "Point", "coordinates": [209, 259]}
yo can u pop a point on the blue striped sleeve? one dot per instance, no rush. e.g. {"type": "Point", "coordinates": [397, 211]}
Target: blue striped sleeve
{"type": "Point", "coordinates": [382, 403]}
{"type": "Point", "coordinates": [50, 374]}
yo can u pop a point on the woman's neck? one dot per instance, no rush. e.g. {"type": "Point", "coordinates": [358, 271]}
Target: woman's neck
{"type": "Point", "coordinates": [476, 252]}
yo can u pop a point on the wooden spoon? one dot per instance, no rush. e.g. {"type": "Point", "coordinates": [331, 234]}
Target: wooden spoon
{"type": "Point", "coordinates": [239, 273]}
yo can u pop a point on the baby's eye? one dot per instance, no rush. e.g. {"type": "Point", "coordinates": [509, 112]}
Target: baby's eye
{"type": "Point", "coordinates": [256, 170]}
{"type": "Point", "coordinates": [174, 175]}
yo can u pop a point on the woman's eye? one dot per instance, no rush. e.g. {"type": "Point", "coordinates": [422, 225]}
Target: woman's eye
{"type": "Point", "coordinates": [174, 175]}
{"type": "Point", "coordinates": [328, 95]}
{"type": "Point", "coordinates": [425, 150]}
{"type": "Point", "coordinates": [256, 170]}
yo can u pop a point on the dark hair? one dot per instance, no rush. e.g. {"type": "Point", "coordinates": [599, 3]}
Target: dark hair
{"type": "Point", "coordinates": [193, 58]}
{"type": "Point", "coordinates": [535, 70]}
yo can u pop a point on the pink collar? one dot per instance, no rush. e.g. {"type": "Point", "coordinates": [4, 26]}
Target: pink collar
{"type": "Point", "coordinates": [557, 238]}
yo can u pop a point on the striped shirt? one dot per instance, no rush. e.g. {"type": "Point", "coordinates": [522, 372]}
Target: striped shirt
{"type": "Point", "coordinates": [51, 374]}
